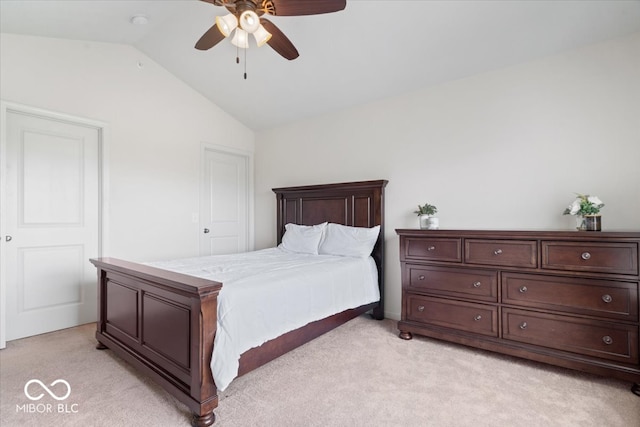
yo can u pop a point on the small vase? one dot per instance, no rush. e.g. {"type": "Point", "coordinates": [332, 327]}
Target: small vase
{"type": "Point", "coordinates": [593, 222]}
{"type": "Point", "coordinates": [424, 222]}
{"type": "Point", "coordinates": [581, 224]}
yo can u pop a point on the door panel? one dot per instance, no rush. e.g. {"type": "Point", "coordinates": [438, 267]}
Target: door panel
{"type": "Point", "coordinates": [51, 172]}
{"type": "Point", "coordinates": [52, 214]}
{"type": "Point", "coordinates": [58, 267]}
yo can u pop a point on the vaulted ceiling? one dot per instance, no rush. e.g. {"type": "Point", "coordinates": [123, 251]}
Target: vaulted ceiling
{"type": "Point", "coordinates": [371, 50]}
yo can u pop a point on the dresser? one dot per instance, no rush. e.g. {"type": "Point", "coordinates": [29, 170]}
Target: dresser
{"type": "Point", "coordinates": [567, 298]}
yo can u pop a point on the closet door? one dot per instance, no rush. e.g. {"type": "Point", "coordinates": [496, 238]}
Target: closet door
{"type": "Point", "coordinates": [225, 203]}
{"type": "Point", "coordinates": [52, 223]}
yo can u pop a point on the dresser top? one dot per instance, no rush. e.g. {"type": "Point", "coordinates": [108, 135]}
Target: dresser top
{"type": "Point", "coordinates": [522, 234]}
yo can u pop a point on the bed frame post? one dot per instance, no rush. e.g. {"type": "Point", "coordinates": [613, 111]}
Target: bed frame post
{"type": "Point", "coordinates": [203, 389]}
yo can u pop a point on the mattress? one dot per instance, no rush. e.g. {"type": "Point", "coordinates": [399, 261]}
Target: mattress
{"type": "Point", "coordinates": [269, 292]}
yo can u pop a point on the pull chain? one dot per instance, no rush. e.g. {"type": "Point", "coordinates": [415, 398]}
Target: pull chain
{"type": "Point", "coordinates": [245, 60]}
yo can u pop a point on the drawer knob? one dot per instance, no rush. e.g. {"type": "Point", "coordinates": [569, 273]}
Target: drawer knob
{"type": "Point", "coordinates": [523, 325]}
{"type": "Point", "coordinates": [497, 251]}
{"type": "Point", "coordinates": [421, 277]}
{"type": "Point", "coordinates": [607, 340]}
{"type": "Point", "coordinates": [477, 284]}
{"type": "Point", "coordinates": [431, 248]}
{"type": "Point", "coordinates": [477, 317]}
{"type": "Point", "coordinates": [607, 298]}
{"type": "Point", "coordinates": [421, 308]}
{"type": "Point", "coordinates": [523, 289]}
{"type": "Point", "coordinates": [585, 256]}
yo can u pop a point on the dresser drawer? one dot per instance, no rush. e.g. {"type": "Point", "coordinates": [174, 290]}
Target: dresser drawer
{"type": "Point", "coordinates": [433, 249]}
{"type": "Point", "coordinates": [619, 258]}
{"type": "Point", "coordinates": [512, 253]}
{"type": "Point", "coordinates": [604, 298]}
{"type": "Point", "coordinates": [463, 283]}
{"type": "Point", "coordinates": [605, 340]}
{"type": "Point", "coordinates": [476, 318]}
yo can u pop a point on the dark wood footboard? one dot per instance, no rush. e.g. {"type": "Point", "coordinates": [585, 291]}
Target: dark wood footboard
{"type": "Point", "coordinates": [163, 323]}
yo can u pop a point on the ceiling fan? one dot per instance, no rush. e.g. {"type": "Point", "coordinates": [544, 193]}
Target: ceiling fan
{"type": "Point", "coordinates": [245, 18]}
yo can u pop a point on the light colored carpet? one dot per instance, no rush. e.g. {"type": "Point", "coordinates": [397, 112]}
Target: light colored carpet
{"type": "Point", "coordinates": [360, 374]}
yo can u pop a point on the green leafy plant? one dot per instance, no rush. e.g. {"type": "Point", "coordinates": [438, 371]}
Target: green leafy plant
{"type": "Point", "coordinates": [426, 209]}
{"type": "Point", "coordinates": [584, 205]}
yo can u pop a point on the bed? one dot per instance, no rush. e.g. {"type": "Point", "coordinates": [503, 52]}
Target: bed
{"type": "Point", "coordinates": [164, 322]}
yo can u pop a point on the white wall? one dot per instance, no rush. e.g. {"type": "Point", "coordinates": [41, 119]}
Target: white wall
{"type": "Point", "coordinates": [502, 150]}
{"type": "Point", "coordinates": [156, 125]}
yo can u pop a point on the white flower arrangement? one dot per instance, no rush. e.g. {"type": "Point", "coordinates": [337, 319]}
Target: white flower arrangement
{"type": "Point", "coordinates": [584, 205]}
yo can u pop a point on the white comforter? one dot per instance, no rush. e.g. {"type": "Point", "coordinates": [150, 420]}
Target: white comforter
{"type": "Point", "coordinates": [270, 292]}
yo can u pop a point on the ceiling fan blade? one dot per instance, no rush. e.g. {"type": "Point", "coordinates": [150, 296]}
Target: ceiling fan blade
{"type": "Point", "coordinates": [209, 39]}
{"type": "Point", "coordinates": [218, 2]}
{"type": "Point", "coordinates": [304, 7]}
{"type": "Point", "coordinates": [229, 4]}
{"type": "Point", "coordinates": [279, 42]}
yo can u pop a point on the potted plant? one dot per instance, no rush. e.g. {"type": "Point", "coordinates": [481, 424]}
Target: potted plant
{"type": "Point", "coordinates": [425, 216]}
{"type": "Point", "coordinates": [586, 208]}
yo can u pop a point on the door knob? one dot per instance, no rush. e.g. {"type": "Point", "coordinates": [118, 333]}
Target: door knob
{"type": "Point", "coordinates": [8, 238]}
{"type": "Point", "coordinates": [206, 230]}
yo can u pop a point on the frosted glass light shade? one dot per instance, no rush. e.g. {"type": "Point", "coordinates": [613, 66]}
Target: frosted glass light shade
{"type": "Point", "coordinates": [261, 35]}
{"type": "Point", "coordinates": [226, 24]}
{"type": "Point", "coordinates": [241, 39]}
{"type": "Point", "coordinates": [249, 21]}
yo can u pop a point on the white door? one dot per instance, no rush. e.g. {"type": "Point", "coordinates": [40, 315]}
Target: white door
{"type": "Point", "coordinates": [224, 204]}
{"type": "Point", "coordinates": [52, 223]}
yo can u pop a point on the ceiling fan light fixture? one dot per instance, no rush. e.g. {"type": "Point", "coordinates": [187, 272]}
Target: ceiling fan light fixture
{"type": "Point", "coordinates": [249, 21]}
{"type": "Point", "coordinates": [226, 24]}
{"type": "Point", "coordinates": [261, 35]}
{"type": "Point", "coordinates": [241, 39]}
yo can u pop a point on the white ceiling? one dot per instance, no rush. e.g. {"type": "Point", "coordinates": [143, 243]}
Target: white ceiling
{"type": "Point", "coordinates": [371, 50]}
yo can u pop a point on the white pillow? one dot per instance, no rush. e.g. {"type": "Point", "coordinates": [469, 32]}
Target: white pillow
{"type": "Point", "coordinates": [344, 240]}
{"type": "Point", "coordinates": [302, 238]}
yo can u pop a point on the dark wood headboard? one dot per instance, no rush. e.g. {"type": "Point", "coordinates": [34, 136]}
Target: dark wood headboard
{"type": "Point", "coordinates": [358, 204]}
